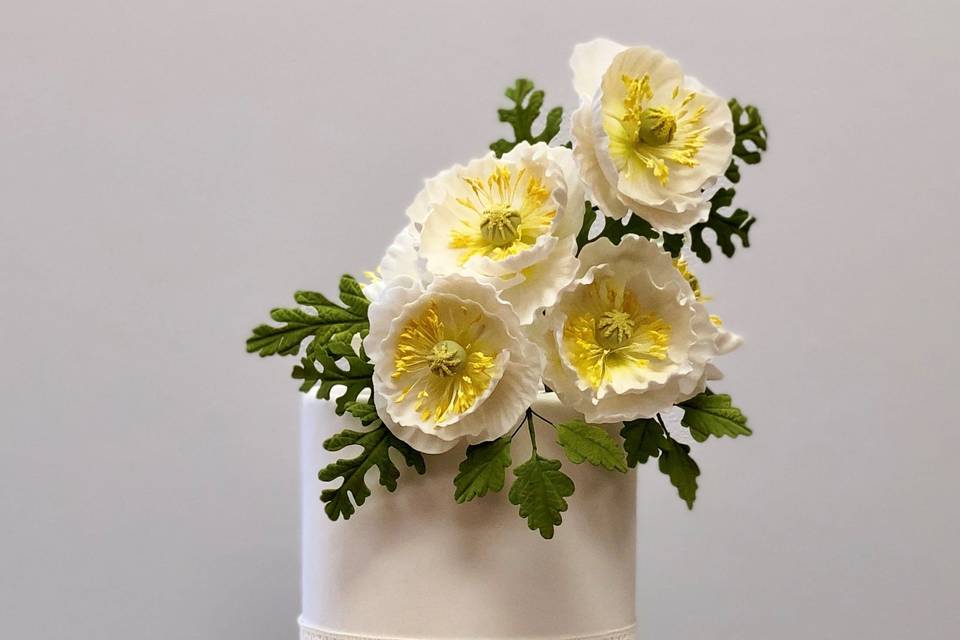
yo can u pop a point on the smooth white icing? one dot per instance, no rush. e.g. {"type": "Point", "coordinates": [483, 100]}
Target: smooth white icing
{"type": "Point", "coordinates": [416, 564]}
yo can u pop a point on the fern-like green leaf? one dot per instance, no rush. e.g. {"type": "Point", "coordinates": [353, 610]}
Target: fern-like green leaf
{"type": "Point", "coordinates": [376, 445]}
{"type": "Point", "coordinates": [591, 443]}
{"type": "Point", "coordinates": [527, 104]}
{"type": "Point", "coordinates": [733, 172]}
{"type": "Point", "coordinates": [328, 321]}
{"type": "Point", "coordinates": [750, 133]}
{"type": "Point", "coordinates": [725, 227]}
{"type": "Point", "coordinates": [714, 415]}
{"type": "Point", "coordinates": [539, 490]}
{"type": "Point", "coordinates": [484, 469]}
{"type": "Point", "coordinates": [357, 376]}
{"type": "Point", "coordinates": [365, 412]}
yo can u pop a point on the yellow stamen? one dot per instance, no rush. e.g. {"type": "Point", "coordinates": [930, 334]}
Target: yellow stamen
{"type": "Point", "coordinates": [651, 136]}
{"type": "Point", "coordinates": [506, 214]}
{"type": "Point", "coordinates": [613, 333]}
{"type": "Point", "coordinates": [443, 363]}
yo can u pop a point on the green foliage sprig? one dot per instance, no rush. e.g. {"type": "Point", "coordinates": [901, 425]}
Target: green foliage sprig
{"type": "Point", "coordinates": [329, 321]}
{"type": "Point", "coordinates": [540, 489]}
{"type": "Point", "coordinates": [376, 445]}
{"type": "Point", "coordinates": [527, 104]}
{"type": "Point", "coordinates": [706, 414]}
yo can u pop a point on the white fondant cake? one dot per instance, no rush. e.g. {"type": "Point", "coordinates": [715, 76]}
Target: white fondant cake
{"type": "Point", "coordinates": [418, 565]}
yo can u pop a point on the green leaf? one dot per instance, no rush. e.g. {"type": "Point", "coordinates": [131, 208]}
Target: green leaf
{"type": "Point", "coordinates": [376, 445]}
{"type": "Point", "coordinates": [673, 243]}
{"type": "Point", "coordinates": [483, 470]}
{"type": "Point", "coordinates": [527, 104]}
{"type": "Point", "coordinates": [330, 321]}
{"type": "Point", "coordinates": [582, 441]}
{"type": "Point", "coordinates": [589, 217]}
{"type": "Point", "coordinates": [733, 172]}
{"type": "Point", "coordinates": [725, 227]}
{"type": "Point", "coordinates": [616, 229]}
{"type": "Point", "coordinates": [539, 490]}
{"type": "Point", "coordinates": [357, 376]}
{"type": "Point", "coordinates": [713, 415]}
{"type": "Point", "coordinates": [751, 135]}
{"type": "Point", "coordinates": [365, 412]}
{"type": "Point", "coordinates": [642, 440]}
{"type": "Point", "coordinates": [675, 461]}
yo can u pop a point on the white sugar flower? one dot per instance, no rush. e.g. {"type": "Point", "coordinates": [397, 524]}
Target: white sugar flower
{"type": "Point", "coordinates": [450, 361]}
{"type": "Point", "coordinates": [646, 137]}
{"type": "Point", "coordinates": [628, 338]}
{"type": "Point", "coordinates": [511, 222]}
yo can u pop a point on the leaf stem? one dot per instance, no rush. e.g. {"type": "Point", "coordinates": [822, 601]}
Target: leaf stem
{"type": "Point", "coordinates": [533, 433]}
{"type": "Point", "coordinates": [662, 425]}
{"type": "Point", "coordinates": [549, 422]}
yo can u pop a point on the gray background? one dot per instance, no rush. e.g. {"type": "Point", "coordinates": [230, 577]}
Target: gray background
{"type": "Point", "coordinates": [171, 170]}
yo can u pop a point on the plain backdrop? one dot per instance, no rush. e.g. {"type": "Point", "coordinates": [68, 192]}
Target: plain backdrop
{"type": "Point", "coordinates": [169, 171]}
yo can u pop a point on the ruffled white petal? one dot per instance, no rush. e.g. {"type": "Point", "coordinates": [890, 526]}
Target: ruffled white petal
{"type": "Point", "coordinates": [588, 63]}
{"type": "Point", "coordinates": [538, 286]}
{"type": "Point", "coordinates": [402, 258]}
{"type": "Point", "coordinates": [600, 190]}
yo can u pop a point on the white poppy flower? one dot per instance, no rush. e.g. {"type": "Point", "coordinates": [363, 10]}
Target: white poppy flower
{"type": "Point", "coordinates": [645, 137]}
{"type": "Point", "coordinates": [628, 338]}
{"type": "Point", "coordinates": [510, 222]}
{"type": "Point", "coordinates": [450, 361]}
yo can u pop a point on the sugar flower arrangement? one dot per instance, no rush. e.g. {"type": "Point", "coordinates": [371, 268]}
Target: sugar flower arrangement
{"type": "Point", "coordinates": [543, 267]}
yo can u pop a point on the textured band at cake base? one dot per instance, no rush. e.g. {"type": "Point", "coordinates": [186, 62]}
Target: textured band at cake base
{"type": "Point", "coordinates": [310, 633]}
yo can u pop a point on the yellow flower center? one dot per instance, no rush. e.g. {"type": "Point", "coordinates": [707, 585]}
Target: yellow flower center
{"type": "Point", "coordinates": [440, 363]}
{"type": "Point", "coordinates": [616, 327]}
{"type": "Point", "coordinates": [447, 358]}
{"type": "Point", "coordinates": [657, 126]}
{"type": "Point", "coordinates": [500, 226]}
{"type": "Point", "coordinates": [645, 137]}
{"type": "Point", "coordinates": [612, 334]}
{"type": "Point", "coordinates": [505, 214]}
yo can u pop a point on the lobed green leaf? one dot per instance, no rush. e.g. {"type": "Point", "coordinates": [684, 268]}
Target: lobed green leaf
{"type": "Point", "coordinates": [714, 415]}
{"type": "Point", "coordinates": [539, 490]}
{"type": "Point", "coordinates": [591, 443]}
{"type": "Point", "coordinates": [750, 133]}
{"type": "Point", "coordinates": [675, 461]}
{"type": "Point", "coordinates": [484, 469]}
{"type": "Point", "coordinates": [642, 440]}
{"type": "Point", "coordinates": [527, 105]}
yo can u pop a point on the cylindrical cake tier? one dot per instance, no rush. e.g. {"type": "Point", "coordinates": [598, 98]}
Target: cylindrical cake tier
{"type": "Point", "coordinates": [415, 564]}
